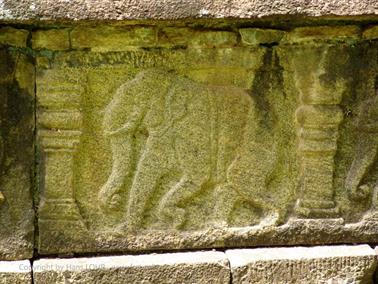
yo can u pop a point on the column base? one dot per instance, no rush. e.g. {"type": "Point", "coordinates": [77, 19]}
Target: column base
{"type": "Point", "coordinates": [61, 227]}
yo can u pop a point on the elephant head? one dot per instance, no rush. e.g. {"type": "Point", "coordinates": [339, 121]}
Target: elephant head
{"type": "Point", "coordinates": [366, 151]}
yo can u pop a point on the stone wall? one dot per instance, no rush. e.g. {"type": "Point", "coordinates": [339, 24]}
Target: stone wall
{"type": "Point", "coordinates": [252, 143]}
{"type": "Point", "coordinates": [26, 10]}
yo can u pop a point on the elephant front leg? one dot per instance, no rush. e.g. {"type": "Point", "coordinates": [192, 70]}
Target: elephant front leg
{"type": "Point", "coordinates": [364, 159]}
{"type": "Point", "coordinates": [110, 193]}
{"type": "Point", "coordinates": [149, 170]}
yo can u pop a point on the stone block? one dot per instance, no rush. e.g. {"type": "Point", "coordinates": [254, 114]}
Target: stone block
{"type": "Point", "coordinates": [190, 267]}
{"type": "Point", "coordinates": [323, 33]}
{"type": "Point", "coordinates": [213, 39]}
{"type": "Point", "coordinates": [183, 36]}
{"type": "Point", "coordinates": [55, 39]}
{"type": "Point", "coordinates": [17, 85]}
{"type": "Point", "coordinates": [15, 272]}
{"type": "Point", "coordinates": [13, 37]}
{"type": "Point", "coordinates": [370, 33]}
{"type": "Point", "coordinates": [252, 36]}
{"type": "Point", "coordinates": [108, 38]}
{"type": "Point", "coordinates": [323, 264]}
{"type": "Point", "coordinates": [174, 36]}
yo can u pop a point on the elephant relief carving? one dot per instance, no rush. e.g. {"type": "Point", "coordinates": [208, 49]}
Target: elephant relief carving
{"type": "Point", "coordinates": [202, 133]}
{"type": "Point", "coordinates": [366, 150]}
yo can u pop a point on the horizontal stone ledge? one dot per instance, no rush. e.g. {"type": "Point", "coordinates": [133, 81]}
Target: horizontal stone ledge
{"type": "Point", "coordinates": [15, 272]}
{"type": "Point", "coordinates": [190, 267]}
{"type": "Point", "coordinates": [126, 38]}
{"type": "Point", "coordinates": [319, 264]}
{"type": "Point", "coordinates": [178, 9]}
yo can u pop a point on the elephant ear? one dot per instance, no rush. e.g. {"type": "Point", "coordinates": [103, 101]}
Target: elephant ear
{"type": "Point", "coordinates": [178, 97]}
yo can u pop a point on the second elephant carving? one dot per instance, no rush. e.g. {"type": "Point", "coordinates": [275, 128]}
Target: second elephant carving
{"type": "Point", "coordinates": [163, 126]}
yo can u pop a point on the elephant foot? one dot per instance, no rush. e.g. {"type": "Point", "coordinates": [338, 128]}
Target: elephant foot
{"type": "Point", "coordinates": [220, 218]}
{"type": "Point", "coordinates": [127, 228]}
{"type": "Point", "coordinates": [171, 215]}
{"type": "Point", "coordinates": [218, 224]}
{"type": "Point", "coordinates": [133, 224]}
{"type": "Point", "coordinates": [272, 220]}
{"type": "Point", "coordinates": [109, 196]}
{"type": "Point", "coordinates": [361, 192]}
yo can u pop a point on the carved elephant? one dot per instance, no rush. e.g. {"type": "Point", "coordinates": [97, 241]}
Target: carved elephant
{"type": "Point", "coordinates": [194, 135]}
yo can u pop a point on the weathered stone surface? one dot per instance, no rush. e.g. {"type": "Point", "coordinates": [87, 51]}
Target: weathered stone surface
{"type": "Point", "coordinates": [112, 38]}
{"type": "Point", "coordinates": [13, 37]}
{"type": "Point", "coordinates": [371, 33]}
{"type": "Point", "coordinates": [16, 154]}
{"type": "Point", "coordinates": [174, 9]}
{"type": "Point", "coordinates": [311, 34]}
{"type": "Point", "coordinates": [218, 144]}
{"type": "Point", "coordinates": [323, 264]}
{"type": "Point", "coordinates": [187, 37]}
{"type": "Point", "coordinates": [214, 39]}
{"type": "Point", "coordinates": [251, 36]}
{"type": "Point", "coordinates": [15, 272]}
{"type": "Point", "coordinates": [176, 36]}
{"type": "Point", "coordinates": [55, 39]}
{"type": "Point", "coordinates": [191, 267]}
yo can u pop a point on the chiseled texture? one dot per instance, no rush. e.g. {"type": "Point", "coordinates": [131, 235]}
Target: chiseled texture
{"type": "Point", "coordinates": [323, 264]}
{"type": "Point", "coordinates": [195, 138]}
{"type": "Point", "coordinates": [178, 9]}
{"type": "Point", "coordinates": [15, 272]}
{"type": "Point", "coordinates": [191, 267]}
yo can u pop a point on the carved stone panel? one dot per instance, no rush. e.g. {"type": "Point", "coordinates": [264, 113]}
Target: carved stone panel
{"type": "Point", "coordinates": [212, 142]}
{"type": "Point", "coordinates": [16, 154]}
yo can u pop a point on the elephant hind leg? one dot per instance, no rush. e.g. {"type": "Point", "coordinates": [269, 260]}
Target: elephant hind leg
{"type": "Point", "coordinates": [226, 198]}
{"type": "Point", "coordinates": [169, 208]}
{"type": "Point", "coordinates": [271, 216]}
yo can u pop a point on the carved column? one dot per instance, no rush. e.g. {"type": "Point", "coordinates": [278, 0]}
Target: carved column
{"type": "Point", "coordinates": [318, 118]}
{"type": "Point", "coordinates": [59, 121]}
